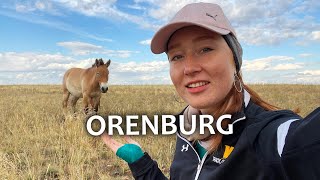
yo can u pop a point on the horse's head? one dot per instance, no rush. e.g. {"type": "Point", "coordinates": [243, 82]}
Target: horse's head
{"type": "Point", "coordinates": [102, 74]}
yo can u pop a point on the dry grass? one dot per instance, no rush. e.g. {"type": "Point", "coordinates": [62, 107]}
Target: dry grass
{"type": "Point", "coordinates": [36, 142]}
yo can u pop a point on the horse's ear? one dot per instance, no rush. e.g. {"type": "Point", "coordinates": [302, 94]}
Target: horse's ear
{"type": "Point", "coordinates": [101, 61]}
{"type": "Point", "coordinates": [97, 63]}
{"type": "Point", "coordinates": [108, 63]}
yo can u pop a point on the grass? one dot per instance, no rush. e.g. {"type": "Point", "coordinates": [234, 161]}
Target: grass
{"type": "Point", "coordinates": [37, 142]}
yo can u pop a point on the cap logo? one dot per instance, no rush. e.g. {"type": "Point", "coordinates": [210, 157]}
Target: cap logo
{"type": "Point", "coordinates": [214, 17]}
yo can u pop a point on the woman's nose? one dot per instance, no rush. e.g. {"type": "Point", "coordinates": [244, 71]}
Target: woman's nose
{"type": "Point", "coordinates": [191, 66]}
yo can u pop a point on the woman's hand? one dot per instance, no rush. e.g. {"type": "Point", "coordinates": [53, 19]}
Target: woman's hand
{"type": "Point", "coordinates": [130, 152]}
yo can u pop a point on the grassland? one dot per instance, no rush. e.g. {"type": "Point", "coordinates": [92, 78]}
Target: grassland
{"type": "Point", "coordinates": [37, 142]}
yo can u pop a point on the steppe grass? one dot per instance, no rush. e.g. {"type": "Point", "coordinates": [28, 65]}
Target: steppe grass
{"type": "Point", "coordinates": [38, 142]}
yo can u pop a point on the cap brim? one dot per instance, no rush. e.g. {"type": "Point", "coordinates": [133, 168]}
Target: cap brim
{"type": "Point", "coordinates": [160, 39]}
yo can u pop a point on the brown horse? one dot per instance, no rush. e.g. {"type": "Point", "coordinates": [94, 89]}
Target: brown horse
{"type": "Point", "coordinates": [86, 83]}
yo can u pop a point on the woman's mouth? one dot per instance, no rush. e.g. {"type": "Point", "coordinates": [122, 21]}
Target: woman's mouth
{"type": "Point", "coordinates": [197, 84]}
{"type": "Point", "coordinates": [197, 87]}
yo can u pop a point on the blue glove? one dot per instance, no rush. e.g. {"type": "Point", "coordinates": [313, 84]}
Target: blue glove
{"type": "Point", "coordinates": [130, 153]}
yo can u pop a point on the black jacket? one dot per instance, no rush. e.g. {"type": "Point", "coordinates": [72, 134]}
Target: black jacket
{"type": "Point", "coordinates": [259, 150]}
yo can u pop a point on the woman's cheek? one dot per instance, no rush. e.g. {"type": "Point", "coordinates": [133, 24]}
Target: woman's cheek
{"type": "Point", "coordinates": [174, 74]}
{"type": "Point", "coordinates": [177, 79]}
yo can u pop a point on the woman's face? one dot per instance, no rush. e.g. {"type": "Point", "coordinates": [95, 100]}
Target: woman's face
{"type": "Point", "coordinates": [201, 67]}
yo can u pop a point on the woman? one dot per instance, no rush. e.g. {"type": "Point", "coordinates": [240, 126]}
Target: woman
{"type": "Point", "coordinates": [205, 62]}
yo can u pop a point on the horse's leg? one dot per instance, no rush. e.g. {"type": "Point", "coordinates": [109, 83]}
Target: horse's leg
{"type": "Point", "coordinates": [96, 103]}
{"type": "Point", "coordinates": [92, 102]}
{"type": "Point", "coordinates": [66, 95]}
{"type": "Point", "coordinates": [73, 103]}
{"type": "Point", "coordinates": [85, 102]}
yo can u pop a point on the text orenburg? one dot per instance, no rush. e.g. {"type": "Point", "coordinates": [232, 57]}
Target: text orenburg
{"type": "Point", "coordinates": [168, 125]}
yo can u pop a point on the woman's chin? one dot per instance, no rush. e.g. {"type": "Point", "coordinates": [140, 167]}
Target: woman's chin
{"type": "Point", "coordinates": [198, 104]}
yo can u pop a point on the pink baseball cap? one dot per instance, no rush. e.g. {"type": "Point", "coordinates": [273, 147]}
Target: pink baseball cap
{"type": "Point", "coordinates": [207, 15]}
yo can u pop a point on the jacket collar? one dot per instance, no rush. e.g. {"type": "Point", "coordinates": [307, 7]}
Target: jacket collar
{"type": "Point", "coordinates": [235, 118]}
{"type": "Point", "coordinates": [239, 116]}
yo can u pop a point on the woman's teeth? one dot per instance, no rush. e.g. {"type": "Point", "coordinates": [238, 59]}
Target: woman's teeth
{"type": "Point", "coordinates": [198, 84]}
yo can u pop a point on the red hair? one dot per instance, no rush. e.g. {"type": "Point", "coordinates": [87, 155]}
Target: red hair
{"type": "Point", "coordinates": [232, 104]}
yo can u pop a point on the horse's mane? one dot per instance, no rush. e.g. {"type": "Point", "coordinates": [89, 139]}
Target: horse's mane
{"type": "Point", "coordinates": [98, 62]}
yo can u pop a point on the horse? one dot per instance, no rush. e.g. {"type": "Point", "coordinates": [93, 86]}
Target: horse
{"type": "Point", "coordinates": [87, 84]}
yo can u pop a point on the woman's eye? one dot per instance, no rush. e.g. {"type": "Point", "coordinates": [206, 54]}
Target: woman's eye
{"type": "Point", "coordinates": [175, 58]}
{"type": "Point", "coordinates": [204, 50]}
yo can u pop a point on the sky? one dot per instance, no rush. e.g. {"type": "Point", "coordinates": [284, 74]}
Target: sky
{"type": "Point", "coordinates": [41, 39]}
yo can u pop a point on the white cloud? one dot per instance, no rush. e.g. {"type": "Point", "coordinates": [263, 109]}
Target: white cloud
{"type": "Point", "coordinates": [23, 8]}
{"type": "Point", "coordinates": [310, 72]}
{"type": "Point", "coordinates": [64, 66]}
{"type": "Point", "coordinates": [33, 68]}
{"type": "Point", "coordinates": [89, 7]}
{"type": "Point", "coordinates": [308, 80]}
{"type": "Point", "coordinates": [106, 9]}
{"type": "Point", "coordinates": [165, 10]}
{"type": "Point", "coordinates": [154, 72]}
{"type": "Point", "coordinates": [308, 77]}
{"type": "Point", "coordinates": [288, 66]}
{"type": "Point", "coordinates": [82, 48]}
{"type": "Point", "coordinates": [34, 19]}
{"type": "Point", "coordinates": [264, 63]}
{"type": "Point", "coordinates": [315, 35]}
{"type": "Point", "coordinates": [145, 42]}
{"type": "Point", "coordinates": [28, 61]}
{"type": "Point", "coordinates": [280, 69]}
{"type": "Point", "coordinates": [40, 5]}
{"type": "Point", "coordinates": [36, 11]}
{"type": "Point", "coordinates": [255, 35]}
{"type": "Point", "coordinates": [136, 7]}
{"type": "Point", "coordinates": [280, 77]}
{"type": "Point", "coordinates": [305, 55]}
{"type": "Point", "coordinates": [25, 76]}
{"type": "Point", "coordinates": [307, 6]}
{"type": "Point", "coordinates": [256, 22]}
{"type": "Point", "coordinates": [32, 62]}
{"type": "Point", "coordinates": [33, 6]}
{"type": "Point", "coordinates": [153, 66]}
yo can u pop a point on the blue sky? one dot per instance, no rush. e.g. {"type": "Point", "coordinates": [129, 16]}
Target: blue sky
{"type": "Point", "coordinates": [40, 40]}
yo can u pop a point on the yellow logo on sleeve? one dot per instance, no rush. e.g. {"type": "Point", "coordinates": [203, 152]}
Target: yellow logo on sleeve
{"type": "Point", "coordinates": [227, 151]}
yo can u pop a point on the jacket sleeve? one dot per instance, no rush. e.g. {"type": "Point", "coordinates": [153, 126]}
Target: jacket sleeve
{"type": "Point", "coordinates": [301, 154]}
{"type": "Point", "coordinates": [146, 169]}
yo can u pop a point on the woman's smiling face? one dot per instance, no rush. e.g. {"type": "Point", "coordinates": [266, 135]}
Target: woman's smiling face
{"type": "Point", "coordinates": [201, 67]}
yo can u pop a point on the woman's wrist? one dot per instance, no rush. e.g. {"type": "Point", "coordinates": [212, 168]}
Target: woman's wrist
{"type": "Point", "coordinates": [130, 153]}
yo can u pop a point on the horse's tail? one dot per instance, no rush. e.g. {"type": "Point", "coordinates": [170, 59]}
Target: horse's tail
{"type": "Point", "coordinates": [64, 81]}
{"type": "Point", "coordinates": [65, 90]}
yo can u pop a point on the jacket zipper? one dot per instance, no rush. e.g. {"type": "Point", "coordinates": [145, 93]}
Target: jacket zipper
{"type": "Point", "coordinates": [189, 145]}
{"type": "Point", "coordinates": [200, 164]}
